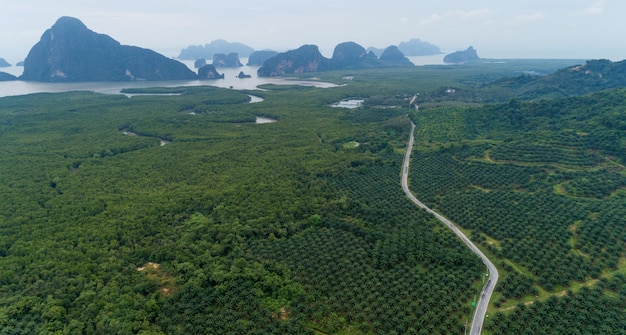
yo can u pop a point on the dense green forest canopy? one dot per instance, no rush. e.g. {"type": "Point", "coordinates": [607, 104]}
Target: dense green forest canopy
{"type": "Point", "coordinates": [178, 214]}
{"type": "Point", "coordinates": [128, 215]}
{"type": "Point", "coordinates": [541, 185]}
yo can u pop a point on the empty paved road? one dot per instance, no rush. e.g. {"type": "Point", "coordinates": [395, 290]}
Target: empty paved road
{"type": "Point", "coordinates": [490, 283]}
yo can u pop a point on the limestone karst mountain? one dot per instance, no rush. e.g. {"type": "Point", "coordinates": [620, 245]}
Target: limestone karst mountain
{"type": "Point", "coordinates": [466, 55]}
{"type": "Point", "coordinates": [347, 55]}
{"type": "Point", "coordinates": [71, 52]}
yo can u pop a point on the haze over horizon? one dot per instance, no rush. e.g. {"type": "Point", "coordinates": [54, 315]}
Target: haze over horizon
{"type": "Point", "coordinates": [582, 29]}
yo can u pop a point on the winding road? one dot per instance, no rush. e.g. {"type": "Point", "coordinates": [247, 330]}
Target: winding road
{"type": "Point", "coordinates": [492, 279]}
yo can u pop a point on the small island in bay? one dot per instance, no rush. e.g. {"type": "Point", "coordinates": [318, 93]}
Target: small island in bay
{"type": "Point", "coordinates": [209, 72]}
{"type": "Point", "coordinates": [467, 55]}
{"type": "Point", "coordinates": [242, 75]}
{"type": "Point", "coordinates": [227, 60]}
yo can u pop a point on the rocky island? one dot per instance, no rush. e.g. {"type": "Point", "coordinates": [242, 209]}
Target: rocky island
{"type": "Point", "coordinates": [242, 75]}
{"type": "Point", "coordinates": [350, 55]}
{"type": "Point", "coordinates": [209, 72]}
{"type": "Point", "coordinates": [347, 55]}
{"type": "Point", "coordinates": [306, 58]}
{"type": "Point", "coordinates": [223, 60]}
{"type": "Point", "coordinates": [467, 55]}
{"type": "Point", "coordinates": [70, 52]}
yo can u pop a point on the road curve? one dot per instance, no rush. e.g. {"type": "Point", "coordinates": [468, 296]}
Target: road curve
{"type": "Point", "coordinates": [492, 279]}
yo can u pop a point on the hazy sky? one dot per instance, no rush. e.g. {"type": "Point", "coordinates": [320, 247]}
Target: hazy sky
{"type": "Point", "coordinates": [496, 28]}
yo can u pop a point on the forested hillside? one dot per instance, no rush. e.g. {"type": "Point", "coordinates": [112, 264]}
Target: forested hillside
{"type": "Point", "coordinates": [541, 186]}
{"type": "Point", "coordinates": [584, 78]}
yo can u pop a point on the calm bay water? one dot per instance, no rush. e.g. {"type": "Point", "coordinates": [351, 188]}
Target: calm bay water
{"type": "Point", "coordinates": [10, 88]}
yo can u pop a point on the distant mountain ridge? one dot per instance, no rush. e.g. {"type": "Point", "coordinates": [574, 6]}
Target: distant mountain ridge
{"type": "Point", "coordinates": [413, 47]}
{"type": "Point", "coordinates": [4, 63]}
{"type": "Point", "coordinates": [218, 46]}
{"type": "Point", "coordinates": [7, 77]}
{"type": "Point", "coordinates": [70, 52]}
{"type": "Point", "coordinates": [417, 47]}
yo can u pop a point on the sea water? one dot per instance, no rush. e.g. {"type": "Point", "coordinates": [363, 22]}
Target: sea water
{"type": "Point", "coordinates": [230, 80]}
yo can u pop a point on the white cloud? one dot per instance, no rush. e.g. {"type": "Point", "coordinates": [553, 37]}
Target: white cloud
{"type": "Point", "coordinates": [458, 15]}
{"type": "Point", "coordinates": [477, 13]}
{"type": "Point", "coordinates": [432, 19]}
{"type": "Point", "coordinates": [595, 9]}
{"type": "Point", "coordinates": [526, 18]}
